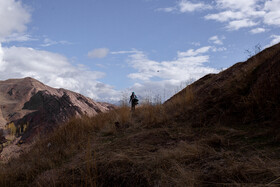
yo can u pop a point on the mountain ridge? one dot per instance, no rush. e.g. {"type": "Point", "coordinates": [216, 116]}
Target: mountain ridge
{"type": "Point", "coordinates": [29, 101]}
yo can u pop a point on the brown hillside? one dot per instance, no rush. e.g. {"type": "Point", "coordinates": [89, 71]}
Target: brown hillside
{"type": "Point", "coordinates": [247, 92]}
{"type": "Point", "coordinates": [28, 101]}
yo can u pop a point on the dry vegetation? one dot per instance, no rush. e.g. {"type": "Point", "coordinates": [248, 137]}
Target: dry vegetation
{"type": "Point", "coordinates": [201, 137]}
{"type": "Point", "coordinates": [147, 148]}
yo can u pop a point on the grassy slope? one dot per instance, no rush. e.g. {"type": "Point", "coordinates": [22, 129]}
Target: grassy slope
{"type": "Point", "coordinates": [222, 130]}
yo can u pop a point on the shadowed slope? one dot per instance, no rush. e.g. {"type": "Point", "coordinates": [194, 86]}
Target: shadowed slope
{"type": "Point", "coordinates": [247, 92]}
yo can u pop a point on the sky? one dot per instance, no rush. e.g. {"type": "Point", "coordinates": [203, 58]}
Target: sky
{"type": "Point", "coordinates": [105, 49]}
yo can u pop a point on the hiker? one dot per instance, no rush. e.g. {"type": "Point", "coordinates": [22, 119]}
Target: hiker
{"type": "Point", "coordinates": [133, 100]}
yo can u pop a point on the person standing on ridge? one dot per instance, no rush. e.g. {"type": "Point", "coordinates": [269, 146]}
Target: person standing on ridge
{"type": "Point", "coordinates": [133, 100]}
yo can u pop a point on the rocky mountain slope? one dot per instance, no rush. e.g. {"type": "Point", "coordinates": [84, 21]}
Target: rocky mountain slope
{"type": "Point", "coordinates": [40, 107]}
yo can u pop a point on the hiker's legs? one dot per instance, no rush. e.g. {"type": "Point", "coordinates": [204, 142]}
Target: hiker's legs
{"type": "Point", "coordinates": [132, 107]}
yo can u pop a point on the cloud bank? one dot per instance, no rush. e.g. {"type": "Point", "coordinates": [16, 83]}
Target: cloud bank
{"type": "Point", "coordinates": [167, 77]}
{"type": "Point", "coordinates": [186, 6]}
{"type": "Point", "coordinates": [257, 30]}
{"type": "Point", "coordinates": [235, 14]}
{"type": "Point", "coordinates": [13, 18]}
{"type": "Point", "coordinates": [54, 70]}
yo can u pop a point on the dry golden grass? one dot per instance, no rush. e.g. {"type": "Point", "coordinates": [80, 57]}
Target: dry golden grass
{"type": "Point", "coordinates": [145, 148]}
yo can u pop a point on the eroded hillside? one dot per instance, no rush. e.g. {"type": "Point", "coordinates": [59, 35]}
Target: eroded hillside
{"type": "Point", "coordinates": [29, 109]}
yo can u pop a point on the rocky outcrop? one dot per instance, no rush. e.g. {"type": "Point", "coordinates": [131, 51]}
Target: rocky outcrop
{"type": "Point", "coordinates": [28, 102]}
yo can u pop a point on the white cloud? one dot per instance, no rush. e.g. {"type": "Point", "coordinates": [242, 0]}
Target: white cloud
{"type": "Point", "coordinates": [124, 52]}
{"type": "Point", "coordinates": [195, 44]}
{"type": "Point", "coordinates": [188, 65]}
{"type": "Point", "coordinates": [2, 63]}
{"type": "Point", "coordinates": [272, 16]}
{"type": "Point", "coordinates": [98, 53]}
{"type": "Point", "coordinates": [236, 14]}
{"type": "Point", "coordinates": [48, 42]}
{"type": "Point", "coordinates": [13, 18]}
{"type": "Point", "coordinates": [54, 70]}
{"type": "Point", "coordinates": [237, 24]}
{"type": "Point", "coordinates": [188, 6]}
{"type": "Point", "coordinates": [218, 49]}
{"type": "Point", "coordinates": [165, 78]}
{"type": "Point", "coordinates": [167, 9]}
{"type": "Point", "coordinates": [225, 16]}
{"type": "Point", "coordinates": [18, 37]}
{"type": "Point", "coordinates": [236, 4]}
{"type": "Point", "coordinates": [158, 90]}
{"type": "Point", "coordinates": [217, 40]}
{"type": "Point", "coordinates": [161, 80]}
{"type": "Point", "coordinates": [257, 30]}
{"type": "Point", "coordinates": [275, 40]}
{"type": "Point", "coordinates": [240, 14]}
{"type": "Point", "coordinates": [192, 52]}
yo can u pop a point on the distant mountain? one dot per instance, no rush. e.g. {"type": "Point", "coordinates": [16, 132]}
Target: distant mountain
{"type": "Point", "coordinates": [39, 108]}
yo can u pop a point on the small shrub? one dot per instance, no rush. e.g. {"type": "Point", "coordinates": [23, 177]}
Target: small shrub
{"type": "Point", "coordinates": [11, 128]}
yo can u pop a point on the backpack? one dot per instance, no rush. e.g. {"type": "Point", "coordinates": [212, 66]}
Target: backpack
{"type": "Point", "coordinates": [135, 100]}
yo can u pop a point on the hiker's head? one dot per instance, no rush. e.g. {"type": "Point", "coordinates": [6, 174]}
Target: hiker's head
{"type": "Point", "coordinates": [133, 93]}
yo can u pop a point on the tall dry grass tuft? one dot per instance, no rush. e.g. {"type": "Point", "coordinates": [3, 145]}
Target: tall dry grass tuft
{"type": "Point", "coordinates": [151, 115]}
{"type": "Point", "coordinates": [123, 115]}
{"type": "Point", "coordinates": [175, 164]}
{"type": "Point", "coordinates": [179, 104]}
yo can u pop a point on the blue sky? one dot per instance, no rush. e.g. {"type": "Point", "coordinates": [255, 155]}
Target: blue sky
{"type": "Point", "coordinates": [105, 49]}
